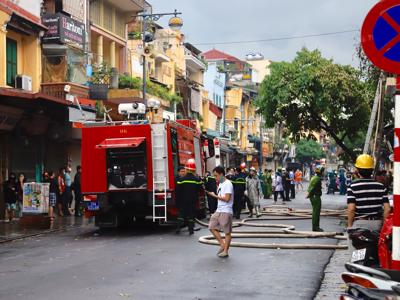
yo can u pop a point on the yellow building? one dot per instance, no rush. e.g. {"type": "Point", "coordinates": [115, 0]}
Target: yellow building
{"type": "Point", "coordinates": [20, 52]}
{"type": "Point", "coordinates": [108, 30]}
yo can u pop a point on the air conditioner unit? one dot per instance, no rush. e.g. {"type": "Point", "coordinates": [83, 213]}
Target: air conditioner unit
{"type": "Point", "coordinates": [23, 82]}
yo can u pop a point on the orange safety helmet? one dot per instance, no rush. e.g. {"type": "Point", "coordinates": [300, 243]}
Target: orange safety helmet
{"type": "Point", "coordinates": [243, 166]}
{"type": "Point", "coordinates": [190, 165]}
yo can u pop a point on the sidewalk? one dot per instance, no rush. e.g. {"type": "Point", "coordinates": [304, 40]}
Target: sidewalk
{"type": "Point", "coordinates": [10, 231]}
{"type": "Point", "coordinates": [332, 285]}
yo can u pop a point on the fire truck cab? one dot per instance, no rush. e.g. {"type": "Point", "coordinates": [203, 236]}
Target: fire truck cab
{"type": "Point", "coordinates": [129, 168]}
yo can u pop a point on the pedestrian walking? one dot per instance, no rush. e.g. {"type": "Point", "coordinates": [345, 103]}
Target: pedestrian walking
{"type": "Point", "coordinates": [222, 218]}
{"type": "Point", "coordinates": [20, 194]}
{"type": "Point", "coordinates": [314, 194]}
{"type": "Point", "coordinates": [342, 182]}
{"type": "Point", "coordinates": [254, 191]}
{"type": "Point", "coordinates": [286, 184]}
{"type": "Point", "coordinates": [298, 178]}
{"type": "Point", "coordinates": [67, 195]}
{"type": "Point", "coordinates": [61, 190]}
{"type": "Point", "coordinates": [10, 196]}
{"type": "Point", "coordinates": [368, 203]}
{"type": "Point", "coordinates": [239, 187]}
{"type": "Point", "coordinates": [277, 185]}
{"type": "Point", "coordinates": [332, 185]}
{"type": "Point", "coordinates": [292, 185]}
{"type": "Point", "coordinates": [187, 190]}
{"type": "Point", "coordinates": [210, 185]}
{"type": "Point", "coordinates": [53, 193]}
{"type": "Point", "coordinates": [78, 191]}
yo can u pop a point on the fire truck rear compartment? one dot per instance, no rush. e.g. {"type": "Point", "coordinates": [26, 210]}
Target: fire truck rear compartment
{"type": "Point", "coordinates": [126, 168]}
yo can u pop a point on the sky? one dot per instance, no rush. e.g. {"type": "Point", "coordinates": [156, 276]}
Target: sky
{"type": "Point", "coordinates": [213, 21]}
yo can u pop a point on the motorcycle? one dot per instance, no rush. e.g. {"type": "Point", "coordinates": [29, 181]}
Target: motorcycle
{"type": "Point", "coordinates": [358, 292]}
{"type": "Point", "coordinates": [365, 242]}
{"type": "Point", "coordinates": [370, 284]}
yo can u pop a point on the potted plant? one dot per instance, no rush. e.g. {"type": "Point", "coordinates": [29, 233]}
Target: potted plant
{"type": "Point", "coordinates": [100, 82]}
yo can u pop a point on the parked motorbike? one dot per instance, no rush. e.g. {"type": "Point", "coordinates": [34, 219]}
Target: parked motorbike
{"type": "Point", "coordinates": [370, 284]}
{"type": "Point", "coordinates": [358, 292]}
{"type": "Point", "coordinates": [365, 242]}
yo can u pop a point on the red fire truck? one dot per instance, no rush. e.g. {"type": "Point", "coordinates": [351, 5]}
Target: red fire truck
{"type": "Point", "coordinates": [129, 168]}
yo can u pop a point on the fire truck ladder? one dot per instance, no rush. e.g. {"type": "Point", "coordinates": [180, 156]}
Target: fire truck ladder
{"type": "Point", "coordinates": [160, 172]}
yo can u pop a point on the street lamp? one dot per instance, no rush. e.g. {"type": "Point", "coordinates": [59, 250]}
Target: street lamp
{"type": "Point", "coordinates": [175, 23]}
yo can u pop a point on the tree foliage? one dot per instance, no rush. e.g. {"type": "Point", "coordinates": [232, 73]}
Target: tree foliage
{"type": "Point", "coordinates": [312, 93]}
{"type": "Point", "coordinates": [308, 150]}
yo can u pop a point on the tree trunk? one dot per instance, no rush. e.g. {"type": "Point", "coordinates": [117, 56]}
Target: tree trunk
{"type": "Point", "coordinates": [325, 126]}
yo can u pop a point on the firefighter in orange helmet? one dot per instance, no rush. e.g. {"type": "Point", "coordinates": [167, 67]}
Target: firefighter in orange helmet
{"type": "Point", "coordinates": [187, 195]}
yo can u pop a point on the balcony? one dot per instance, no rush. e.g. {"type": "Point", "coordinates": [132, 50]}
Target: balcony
{"type": "Point", "coordinates": [129, 5]}
{"type": "Point", "coordinates": [57, 90]}
{"type": "Point", "coordinates": [193, 63]}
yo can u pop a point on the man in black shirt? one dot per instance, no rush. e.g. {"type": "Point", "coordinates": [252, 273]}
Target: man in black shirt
{"type": "Point", "coordinates": [210, 185]}
{"type": "Point", "coordinates": [367, 199]}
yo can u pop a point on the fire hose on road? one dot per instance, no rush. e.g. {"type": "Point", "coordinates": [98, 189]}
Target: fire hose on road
{"type": "Point", "coordinates": [274, 213]}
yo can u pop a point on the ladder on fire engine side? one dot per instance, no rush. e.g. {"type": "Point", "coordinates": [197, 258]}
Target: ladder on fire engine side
{"type": "Point", "coordinates": [160, 172]}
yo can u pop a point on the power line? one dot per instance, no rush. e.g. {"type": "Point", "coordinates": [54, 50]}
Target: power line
{"type": "Point", "coordinates": [279, 39]}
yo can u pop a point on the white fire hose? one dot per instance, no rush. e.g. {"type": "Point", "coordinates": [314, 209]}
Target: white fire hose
{"type": "Point", "coordinates": [271, 213]}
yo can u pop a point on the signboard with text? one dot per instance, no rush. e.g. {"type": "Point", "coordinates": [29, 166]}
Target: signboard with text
{"type": "Point", "coordinates": [64, 30]}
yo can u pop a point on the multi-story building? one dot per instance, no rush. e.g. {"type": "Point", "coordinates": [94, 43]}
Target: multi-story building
{"type": "Point", "coordinates": [229, 81]}
{"type": "Point", "coordinates": [108, 30]}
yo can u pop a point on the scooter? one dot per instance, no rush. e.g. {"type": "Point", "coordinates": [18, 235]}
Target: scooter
{"type": "Point", "coordinates": [358, 292]}
{"type": "Point", "coordinates": [371, 278]}
{"type": "Point", "coordinates": [365, 242]}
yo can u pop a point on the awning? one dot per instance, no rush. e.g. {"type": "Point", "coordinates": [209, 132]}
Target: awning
{"type": "Point", "coordinates": [121, 143]}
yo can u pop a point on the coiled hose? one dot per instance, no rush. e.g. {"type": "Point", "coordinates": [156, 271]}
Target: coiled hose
{"type": "Point", "coordinates": [280, 212]}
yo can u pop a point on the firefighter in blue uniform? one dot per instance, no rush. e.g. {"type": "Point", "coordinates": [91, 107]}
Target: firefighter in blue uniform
{"type": "Point", "coordinates": [187, 195]}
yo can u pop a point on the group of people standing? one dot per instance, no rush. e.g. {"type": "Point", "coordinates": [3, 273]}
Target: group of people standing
{"type": "Point", "coordinates": [60, 193]}
{"type": "Point", "coordinates": [285, 183]}
{"type": "Point", "coordinates": [61, 188]}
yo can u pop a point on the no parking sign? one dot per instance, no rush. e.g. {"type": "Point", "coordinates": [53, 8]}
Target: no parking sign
{"type": "Point", "coordinates": [380, 36]}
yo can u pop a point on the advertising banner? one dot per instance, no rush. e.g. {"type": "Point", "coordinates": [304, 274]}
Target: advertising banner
{"type": "Point", "coordinates": [36, 198]}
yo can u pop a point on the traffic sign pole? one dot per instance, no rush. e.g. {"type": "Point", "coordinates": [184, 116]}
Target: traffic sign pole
{"type": "Point", "coordinates": [396, 184]}
{"type": "Point", "coordinates": [380, 39]}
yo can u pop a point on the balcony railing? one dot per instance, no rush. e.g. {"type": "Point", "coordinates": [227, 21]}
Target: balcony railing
{"type": "Point", "coordinates": [57, 90]}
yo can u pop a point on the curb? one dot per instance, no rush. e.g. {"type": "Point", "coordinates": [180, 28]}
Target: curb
{"type": "Point", "coordinates": [66, 228]}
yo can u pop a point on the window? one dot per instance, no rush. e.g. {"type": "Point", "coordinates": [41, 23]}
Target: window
{"type": "Point", "coordinates": [108, 17]}
{"type": "Point", "coordinates": [11, 62]}
{"type": "Point", "coordinates": [95, 12]}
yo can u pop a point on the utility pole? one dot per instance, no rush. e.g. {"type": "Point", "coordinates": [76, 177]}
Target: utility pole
{"type": "Point", "coordinates": [261, 143]}
{"type": "Point", "coordinates": [144, 87]}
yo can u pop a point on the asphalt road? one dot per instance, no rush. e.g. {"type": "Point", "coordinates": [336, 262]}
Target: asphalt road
{"type": "Point", "coordinates": [151, 262]}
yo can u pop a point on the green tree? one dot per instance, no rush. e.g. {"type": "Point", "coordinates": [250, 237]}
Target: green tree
{"type": "Point", "coordinates": [308, 150]}
{"type": "Point", "coordinates": [312, 93]}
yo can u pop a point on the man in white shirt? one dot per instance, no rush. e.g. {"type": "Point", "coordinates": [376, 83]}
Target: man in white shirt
{"type": "Point", "coordinates": [222, 218]}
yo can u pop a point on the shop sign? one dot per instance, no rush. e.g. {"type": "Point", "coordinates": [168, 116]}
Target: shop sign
{"type": "Point", "coordinates": [265, 151]}
{"type": "Point", "coordinates": [63, 29]}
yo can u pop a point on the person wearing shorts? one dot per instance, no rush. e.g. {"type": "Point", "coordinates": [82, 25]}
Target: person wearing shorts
{"type": "Point", "coordinates": [222, 218]}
